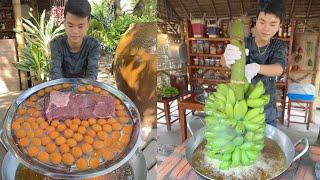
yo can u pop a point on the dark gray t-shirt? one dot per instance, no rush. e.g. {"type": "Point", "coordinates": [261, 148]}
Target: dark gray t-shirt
{"type": "Point", "coordinates": [275, 52]}
{"type": "Point", "coordinates": [82, 64]}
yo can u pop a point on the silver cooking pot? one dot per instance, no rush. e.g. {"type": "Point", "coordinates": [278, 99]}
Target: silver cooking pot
{"type": "Point", "coordinates": [7, 139]}
{"type": "Point", "coordinates": [271, 132]}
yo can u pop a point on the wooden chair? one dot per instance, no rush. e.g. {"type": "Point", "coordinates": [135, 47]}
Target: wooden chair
{"type": "Point", "coordinates": [167, 109]}
{"type": "Point", "coordinates": [305, 105]}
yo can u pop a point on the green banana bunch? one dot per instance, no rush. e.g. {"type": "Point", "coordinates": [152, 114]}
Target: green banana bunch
{"type": "Point", "coordinates": [235, 127]}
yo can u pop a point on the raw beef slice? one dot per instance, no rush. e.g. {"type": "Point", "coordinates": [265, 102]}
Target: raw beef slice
{"type": "Point", "coordinates": [67, 105]}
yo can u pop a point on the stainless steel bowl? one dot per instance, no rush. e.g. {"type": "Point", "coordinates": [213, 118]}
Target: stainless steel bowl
{"type": "Point", "coordinates": [271, 132]}
{"type": "Point", "coordinates": [10, 144]}
{"type": "Point", "coordinates": [136, 167]}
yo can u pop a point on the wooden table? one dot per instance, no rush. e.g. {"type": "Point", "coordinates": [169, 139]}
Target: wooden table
{"type": "Point", "coordinates": [183, 105]}
{"type": "Point", "coordinates": [176, 166]}
{"type": "Point", "coordinates": [167, 102]}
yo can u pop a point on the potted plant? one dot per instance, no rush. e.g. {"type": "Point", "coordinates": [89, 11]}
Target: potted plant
{"type": "Point", "coordinates": [36, 54]}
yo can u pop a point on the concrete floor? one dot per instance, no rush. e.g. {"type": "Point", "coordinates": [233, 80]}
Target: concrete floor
{"type": "Point", "coordinates": [169, 140]}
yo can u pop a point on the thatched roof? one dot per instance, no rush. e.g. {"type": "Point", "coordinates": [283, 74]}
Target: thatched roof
{"type": "Point", "coordinates": [306, 12]}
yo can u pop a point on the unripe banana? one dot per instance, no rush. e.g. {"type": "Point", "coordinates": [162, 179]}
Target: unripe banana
{"type": "Point", "coordinates": [250, 89]}
{"type": "Point", "coordinates": [240, 127]}
{"type": "Point", "coordinates": [254, 103]}
{"type": "Point", "coordinates": [220, 96]}
{"type": "Point", "coordinates": [229, 148]}
{"type": "Point", "coordinates": [246, 146]}
{"type": "Point", "coordinates": [253, 113]}
{"type": "Point", "coordinates": [237, 111]}
{"type": "Point", "coordinates": [225, 165]}
{"type": "Point", "coordinates": [231, 98]}
{"type": "Point", "coordinates": [249, 136]}
{"type": "Point", "coordinates": [253, 155]}
{"type": "Point", "coordinates": [223, 89]}
{"type": "Point", "coordinates": [226, 156]}
{"type": "Point", "coordinates": [257, 91]}
{"type": "Point", "coordinates": [238, 140]}
{"type": "Point", "coordinates": [251, 126]}
{"type": "Point", "coordinates": [244, 108]}
{"type": "Point", "coordinates": [244, 158]}
{"type": "Point", "coordinates": [236, 157]}
{"type": "Point", "coordinates": [260, 118]}
{"type": "Point", "coordinates": [229, 110]}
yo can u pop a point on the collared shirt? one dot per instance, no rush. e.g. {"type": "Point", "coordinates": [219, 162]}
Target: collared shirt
{"type": "Point", "coordinates": [82, 64]}
{"type": "Point", "coordinates": [274, 53]}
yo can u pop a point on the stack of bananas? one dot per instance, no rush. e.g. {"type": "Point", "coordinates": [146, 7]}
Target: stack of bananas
{"type": "Point", "coordinates": [235, 128]}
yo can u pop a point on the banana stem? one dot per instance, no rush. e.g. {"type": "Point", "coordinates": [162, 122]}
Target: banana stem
{"type": "Point", "coordinates": [237, 70]}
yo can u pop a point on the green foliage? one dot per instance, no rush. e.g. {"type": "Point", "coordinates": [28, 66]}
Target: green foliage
{"type": "Point", "coordinates": [149, 10]}
{"type": "Point", "coordinates": [102, 10]}
{"type": "Point", "coordinates": [109, 30]}
{"type": "Point", "coordinates": [118, 27]}
{"type": "Point", "coordinates": [36, 55]}
{"type": "Point", "coordinates": [169, 92]}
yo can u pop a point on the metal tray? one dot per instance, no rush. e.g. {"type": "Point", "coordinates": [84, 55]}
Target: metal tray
{"type": "Point", "coordinates": [9, 142]}
{"type": "Point", "coordinates": [135, 169]}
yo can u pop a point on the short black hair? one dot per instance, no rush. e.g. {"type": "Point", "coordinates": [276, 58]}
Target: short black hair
{"type": "Point", "coordinates": [81, 8]}
{"type": "Point", "coordinates": [275, 7]}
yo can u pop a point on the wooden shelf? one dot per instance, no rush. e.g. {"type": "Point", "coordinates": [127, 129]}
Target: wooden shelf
{"type": "Point", "coordinates": [211, 80]}
{"type": "Point", "coordinates": [206, 67]}
{"type": "Point", "coordinates": [208, 39]}
{"type": "Point", "coordinates": [207, 55]}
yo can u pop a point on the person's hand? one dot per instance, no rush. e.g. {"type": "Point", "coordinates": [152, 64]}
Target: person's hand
{"type": "Point", "coordinates": [231, 54]}
{"type": "Point", "coordinates": [251, 70]}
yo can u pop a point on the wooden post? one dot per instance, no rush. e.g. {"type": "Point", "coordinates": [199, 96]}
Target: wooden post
{"type": "Point", "coordinates": [20, 37]}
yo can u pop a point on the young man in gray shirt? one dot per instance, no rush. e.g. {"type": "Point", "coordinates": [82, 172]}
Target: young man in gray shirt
{"type": "Point", "coordinates": [267, 57]}
{"type": "Point", "coordinates": [75, 55]}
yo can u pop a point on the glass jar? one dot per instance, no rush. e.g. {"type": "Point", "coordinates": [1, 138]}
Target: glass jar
{"type": "Point", "coordinates": [201, 61]}
{"type": "Point", "coordinates": [196, 61]}
{"type": "Point", "coordinates": [207, 62]}
{"type": "Point", "coordinates": [212, 62]}
{"type": "Point", "coordinates": [219, 48]}
{"type": "Point", "coordinates": [213, 49]}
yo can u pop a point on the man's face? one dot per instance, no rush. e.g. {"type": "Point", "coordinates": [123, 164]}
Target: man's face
{"type": "Point", "coordinates": [267, 25]}
{"type": "Point", "coordinates": [76, 27]}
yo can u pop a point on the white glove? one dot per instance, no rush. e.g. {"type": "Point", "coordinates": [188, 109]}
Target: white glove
{"type": "Point", "coordinates": [247, 51]}
{"type": "Point", "coordinates": [251, 70]}
{"type": "Point", "coordinates": [233, 53]}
